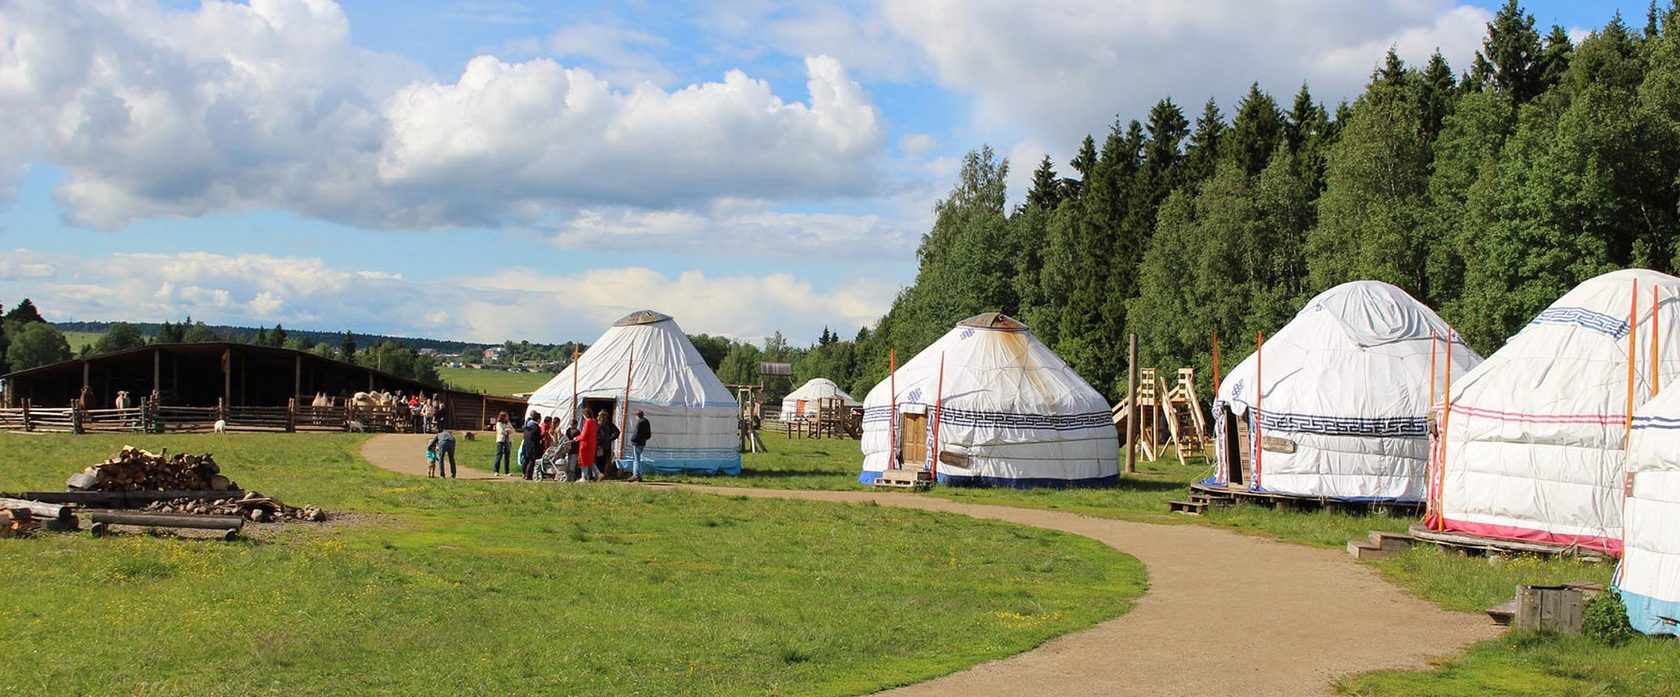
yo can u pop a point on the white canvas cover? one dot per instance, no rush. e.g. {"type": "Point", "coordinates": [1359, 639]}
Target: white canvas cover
{"type": "Point", "coordinates": [1649, 577]}
{"type": "Point", "coordinates": [804, 400]}
{"type": "Point", "coordinates": [1534, 438]}
{"type": "Point", "coordinates": [1013, 413]}
{"type": "Point", "coordinates": [692, 414]}
{"type": "Point", "coordinates": [1347, 383]}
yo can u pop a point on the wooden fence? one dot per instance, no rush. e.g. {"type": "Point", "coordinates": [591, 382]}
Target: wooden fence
{"type": "Point", "coordinates": [464, 413]}
{"type": "Point", "coordinates": [151, 417]}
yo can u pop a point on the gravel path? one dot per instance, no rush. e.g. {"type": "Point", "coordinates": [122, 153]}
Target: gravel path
{"type": "Point", "coordinates": [1226, 614]}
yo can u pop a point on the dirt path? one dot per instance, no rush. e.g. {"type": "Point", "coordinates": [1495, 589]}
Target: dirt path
{"type": "Point", "coordinates": [1226, 614]}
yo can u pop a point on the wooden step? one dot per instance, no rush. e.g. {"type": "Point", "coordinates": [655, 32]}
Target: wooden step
{"type": "Point", "coordinates": [1365, 551]}
{"type": "Point", "coordinates": [1187, 507]}
{"type": "Point", "coordinates": [1390, 541]}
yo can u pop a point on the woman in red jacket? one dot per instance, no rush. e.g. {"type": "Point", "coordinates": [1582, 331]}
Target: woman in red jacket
{"type": "Point", "coordinates": [586, 449]}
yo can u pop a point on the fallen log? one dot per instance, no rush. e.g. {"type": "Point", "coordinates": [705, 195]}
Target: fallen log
{"type": "Point", "coordinates": [124, 498]}
{"type": "Point", "coordinates": [166, 520]}
{"type": "Point", "coordinates": [37, 509]}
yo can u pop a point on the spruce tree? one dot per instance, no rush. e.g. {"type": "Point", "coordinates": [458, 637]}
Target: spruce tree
{"type": "Point", "coordinates": [1046, 189]}
{"type": "Point", "coordinates": [1512, 50]}
{"type": "Point", "coordinates": [1254, 132]}
{"type": "Point", "coordinates": [1201, 156]}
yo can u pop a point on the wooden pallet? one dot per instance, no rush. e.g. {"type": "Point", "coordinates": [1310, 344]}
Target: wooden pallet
{"type": "Point", "coordinates": [913, 480]}
{"type": "Point", "coordinates": [1199, 502]}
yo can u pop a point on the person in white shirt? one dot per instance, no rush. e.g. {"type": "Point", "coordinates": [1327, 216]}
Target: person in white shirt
{"type": "Point", "coordinates": [504, 446]}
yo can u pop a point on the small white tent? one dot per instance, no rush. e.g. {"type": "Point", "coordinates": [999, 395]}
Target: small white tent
{"type": "Point", "coordinates": [1344, 409]}
{"type": "Point", "coordinates": [1649, 577]}
{"type": "Point", "coordinates": [1013, 414]}
{"type": "Point", "coordinates": [1534, 435]}
{"type": "Point", "coordinates": [804, 400]}
{"type": "Point", "coordinates": [694, 416]}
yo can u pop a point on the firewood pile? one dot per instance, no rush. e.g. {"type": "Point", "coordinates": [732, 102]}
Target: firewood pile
{"type": "Point", "coordinates": [252, 506]}
{"type": "Point", "coordinates": [157, 490]}
{"type": "Point", "coordinates": [133, 469]}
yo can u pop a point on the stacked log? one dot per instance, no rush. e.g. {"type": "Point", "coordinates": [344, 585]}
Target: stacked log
{"type": "Point", "coordinates": [18, 523]}
{"type": "Point", "coordinates": [251, 506]}
{"type": "Point", "coordinates": [133, 469]}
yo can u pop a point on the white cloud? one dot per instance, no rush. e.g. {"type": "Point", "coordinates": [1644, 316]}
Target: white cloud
{"type": "Point", "coordinates": [852, 31]}
{"type": "Point", "coordinates": [164, 113]}
{"type": "Point", "coordinates": [739, 228]}
{"type": "Point", "coordinates": [539, 135]}
{"type": "Point", "coordinates": [305, 293]}
{"type": "Point", "coordinates": [1058, 71]}
{"type": "Point", "coordinates": [623, 56]}
{"type": "Point", "coordinates": [18, 265]}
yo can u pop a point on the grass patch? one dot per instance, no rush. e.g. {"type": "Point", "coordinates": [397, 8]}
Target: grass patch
{"type": "Point", "coordinates": [484, 587]}
{"type": "Point", "coordinates": [503, 383]}
{"type": "Point", "coordinates": [1534, 663]}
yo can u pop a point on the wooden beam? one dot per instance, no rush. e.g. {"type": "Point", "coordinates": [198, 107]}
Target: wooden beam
{"type": "Point", "coordinates": [297, 375]}
{"type": "Point", "coordinates": [227, 377]}
{"type": "Point", "coordinates": [157, 371]}
{"type": "Point", "coordinates": [1131, 403]}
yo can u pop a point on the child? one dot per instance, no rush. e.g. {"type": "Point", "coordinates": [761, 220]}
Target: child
{"type": "Point", "coordinates": [431, 459]}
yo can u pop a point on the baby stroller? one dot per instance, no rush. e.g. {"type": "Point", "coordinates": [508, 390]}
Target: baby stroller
{"type": "Point", "coordinates": [552, 464]}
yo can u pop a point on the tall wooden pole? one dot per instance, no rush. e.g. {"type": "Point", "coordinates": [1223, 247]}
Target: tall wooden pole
{"type": "Point", "coordinates": [1216, 364]}
{"type": "Point", "coordinates": [892, 415]}
{"type": "Point", "coordinates": [1633, 358]}
{"type": "Point", "coordinates": [1439, 522]}
{"type": "Point", "coordinates": [1131, 403]}
{"type": "Point", "coordinates": [1432, 464]}
{"type": "Point", "coordinates": [938, 409]}
{"type": "Point", "coordinates": [1656, 352]}
{"type": "Point", "coordinates": [1259, 393]}
{"type": "Point", "coordinates": [575, 416]}
{"type": "Point", "coordinates": [624, 434]}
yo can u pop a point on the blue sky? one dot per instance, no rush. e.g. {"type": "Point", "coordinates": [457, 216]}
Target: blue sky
{"type": "Point", "coordinates": [489, 169]}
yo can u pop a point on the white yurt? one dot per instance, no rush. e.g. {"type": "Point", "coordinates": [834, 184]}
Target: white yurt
{"type": "Point", "coordinates": [694, 417]}
{"type": "Point", "coordinates": [1013, 414]}
{"type": "Point", "coordinates": [1344, 406]}
{"type": "Point", "coordinates": [1533, 439]}
{"type": "Point", "coordinates": [1649, 577]}
{"type": "Point", "coordinates": [804, 401]}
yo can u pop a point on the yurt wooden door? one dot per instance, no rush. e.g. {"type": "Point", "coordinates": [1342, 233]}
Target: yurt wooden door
{"type": "Point", "coordinates": [913, 439]}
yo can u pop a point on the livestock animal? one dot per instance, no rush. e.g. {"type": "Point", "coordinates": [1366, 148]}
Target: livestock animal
{"type": "Point", "coordinates": [221, 425]}
{"type": "Point", "coordinates": [372, 399]}
{"type": "Point", "coordinates": [321, 400]}
{"type": "Point", "coordinates": [122, 399]}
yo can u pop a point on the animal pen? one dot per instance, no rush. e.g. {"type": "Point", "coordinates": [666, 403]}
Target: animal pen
{"type": "Point", "coordinates": [191, 387]}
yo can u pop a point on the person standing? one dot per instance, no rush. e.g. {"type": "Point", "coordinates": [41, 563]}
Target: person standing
{"type": "Point", "coordinates": [638, 441]}
{"type": "Point", "coordinates": [504, 446]}
{"type": "Point", "coordinates": [427, 411]}
{"type": "Point", "coordinates": [586, 450]}
{"type": "Point", "coordinates": [572, 432]}
{"type": "Point", "coordinates": [444, 442]}
{"type": "Point", "coordinates": [530, 444]}
{"type": "Point", "coordinates": [606, 436]}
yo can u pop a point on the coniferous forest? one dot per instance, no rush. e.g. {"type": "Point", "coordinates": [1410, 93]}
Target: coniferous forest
{"type": "Point", "coordinates": [1486, 191]}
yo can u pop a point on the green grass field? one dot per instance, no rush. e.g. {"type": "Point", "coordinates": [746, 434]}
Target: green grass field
{"type": "Point", "coordinates": [493, 382]}
{"type": "Point", "coordinates": [79, 339]}
{"type": "Point", "coordinates": [1519, 664]}
{"type": "Point", "coordinates": [452, 587]}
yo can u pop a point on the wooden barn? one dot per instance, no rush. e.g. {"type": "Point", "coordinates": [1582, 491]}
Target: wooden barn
{"type": "Point", "coordinates": [272, 386]}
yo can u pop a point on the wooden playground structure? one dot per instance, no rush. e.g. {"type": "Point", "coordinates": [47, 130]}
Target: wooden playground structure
{"type": "Point", "coordinates": [1177, 409]}
{"type": "Point", "coordinates": [832, 418]}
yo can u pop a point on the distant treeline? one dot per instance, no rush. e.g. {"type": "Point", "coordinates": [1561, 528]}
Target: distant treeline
{"type": "Point", "coordinates": [1486, 194]}
{"type": "Point", "coordinates": [224, 332]}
